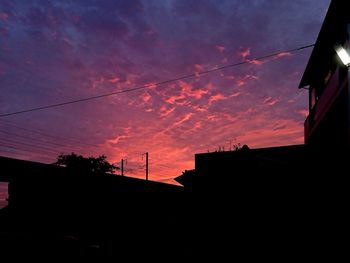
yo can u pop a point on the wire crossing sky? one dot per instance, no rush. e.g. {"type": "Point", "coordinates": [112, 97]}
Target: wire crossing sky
{"type": "Point", "coordinates": [197, 74]}
{"type": "Point", "coordinates": [59, 53]}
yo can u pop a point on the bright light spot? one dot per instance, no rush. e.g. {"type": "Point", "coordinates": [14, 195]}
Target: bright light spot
{"type": "Point", "coordinates": [343, 55]}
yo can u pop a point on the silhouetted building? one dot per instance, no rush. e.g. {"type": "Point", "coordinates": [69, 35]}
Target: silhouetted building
{"type": "Point", "coordinates": [327, 80]}
{"type": "Point", "coordinates": [327, 128]}
{"type": "Point", "coordinates": [223, 169]}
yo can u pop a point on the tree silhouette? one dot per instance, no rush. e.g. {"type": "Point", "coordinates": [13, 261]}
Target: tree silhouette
{"type": "Point", "coordinates": [89, 165]}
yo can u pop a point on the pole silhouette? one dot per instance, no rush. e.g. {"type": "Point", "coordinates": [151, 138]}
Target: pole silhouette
{"type": "Point", "coordinates": [122, 167]}
{"type": "Point", "coordinates": [146, 166]}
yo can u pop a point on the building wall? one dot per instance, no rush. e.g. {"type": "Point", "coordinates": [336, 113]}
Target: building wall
{"type": "Point", "coordinates": [332, 130]}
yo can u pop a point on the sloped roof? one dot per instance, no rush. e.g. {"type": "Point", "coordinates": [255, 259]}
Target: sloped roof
{"type": "Point", "coordinates": [333, 31]}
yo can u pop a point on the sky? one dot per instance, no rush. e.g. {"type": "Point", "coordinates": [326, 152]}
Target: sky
{"type": "Point", "coordinates": [57, 51]}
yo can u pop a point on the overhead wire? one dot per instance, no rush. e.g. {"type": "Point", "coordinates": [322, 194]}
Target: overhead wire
{"type": "Point", "coordinates": [49, 150]}
{"type": "Point", "coordinates": [40, 142]}
{"type": "Point", "coordinates": [48, 134]}
{"type": "Point", "coordinates": [160, 83]}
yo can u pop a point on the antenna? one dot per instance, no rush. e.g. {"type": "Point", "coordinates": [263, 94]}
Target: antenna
{"type": "Point", "coordinates": [122, 166]}
{"type": "Point", "coordinates": [146, 153]}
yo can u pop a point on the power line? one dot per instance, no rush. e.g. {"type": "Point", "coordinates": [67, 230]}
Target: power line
{"type": "Point", "coordinates": [40, 142]}
{"type": "Point", "coordinates": [158, 83]}
{"type": "Point", "coordinates": [22, 149]}
{"type": "Point", "coordinates": [40, 132]}
{"type": "Point", "coordinates": [16, 153]}
{"type": "Point", "coordinates": [48, 150]}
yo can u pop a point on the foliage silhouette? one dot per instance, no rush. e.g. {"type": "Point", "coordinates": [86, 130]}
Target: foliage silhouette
{"type": "Point", "coordinates": [90, 165]}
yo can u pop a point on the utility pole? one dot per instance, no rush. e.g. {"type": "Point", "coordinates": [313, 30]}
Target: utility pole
{"type": "Point", "coordinates": [122, 167]}
{"type": "Point", "coordinates": [146, 166]}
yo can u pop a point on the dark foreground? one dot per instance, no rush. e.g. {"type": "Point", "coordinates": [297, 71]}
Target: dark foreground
{"type": "Point", "coordinates": [284, 212]}
{"type": "Point", "coordinates": [274, 223]}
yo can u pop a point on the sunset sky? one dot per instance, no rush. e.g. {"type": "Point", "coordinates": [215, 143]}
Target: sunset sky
{"type": "Point", "coordinates": [56, 51]}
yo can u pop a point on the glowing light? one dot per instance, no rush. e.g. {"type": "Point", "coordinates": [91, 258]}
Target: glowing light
{"type": "Point", "coordinates": [343, 55]}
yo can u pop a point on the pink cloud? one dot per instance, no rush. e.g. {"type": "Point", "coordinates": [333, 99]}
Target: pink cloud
{"type": "Point", "coordinates": [270, 101]}
{"type": "Point", "coordinates": [114, 80]}
{"type": "Point", "coordinates": [176, 99]}
{"type": "Point", "coordinates": [212, 117]}
{"type": "Point", "coordinates": [256, 62]}
{"type": "Point", "coordinates": [164, 111]}
{"type": "Point", "coordinates": [244, 53]}
{"type": "Point", "coordinates": [146, 97]}
{"type": "Point", "coordinates": [199, 108]}
{"type": "Point", "coordinates": [117, 139]}
{"type": "Point", "coordinates": [240, 82]}
{"type": "Point", "coordinates": [221, 49]}
{"type": "Point", "coordinates": [235, 94]}
{"type": "Point", "coordinates": [198, 125]}
{"type": "Point", "coordinates": [217, 97]}
{"type": "Point", "coordinates": [244, 80]}
{"type": "Point", "coordinates": [183, 119]}
{"type": "Point", "coordinates": [198, 69]}
{"type": "Point", "coordinates": [283, 54]}
{"type": "Point", "coordinates": [188, 90]}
